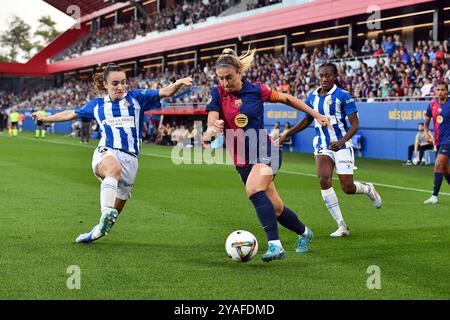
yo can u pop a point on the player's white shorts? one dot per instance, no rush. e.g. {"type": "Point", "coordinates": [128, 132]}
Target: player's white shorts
{"type": "Point", "coordinates": [344, 159]}
{"type": "Point", "coordinates": [128, 163]}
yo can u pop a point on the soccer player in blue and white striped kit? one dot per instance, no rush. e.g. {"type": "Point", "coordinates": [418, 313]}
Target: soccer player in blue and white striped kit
{"type": "Point", "coordinates": [333, 146]}
{"type": "Point", "coordinates": [119, 115]}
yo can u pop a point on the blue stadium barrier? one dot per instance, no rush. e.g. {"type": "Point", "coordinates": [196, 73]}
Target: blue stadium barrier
{"type": "Point", "coordinates": [386, 128]}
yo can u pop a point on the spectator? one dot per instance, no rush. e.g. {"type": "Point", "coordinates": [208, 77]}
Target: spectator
{"type": "Point", "coordinates": [422, 143]}
{"type": "Point", "coordinates": [275, 132]}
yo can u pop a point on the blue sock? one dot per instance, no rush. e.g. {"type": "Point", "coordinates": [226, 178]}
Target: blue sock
{"type": "Point", "coordinates": [447, 177]}
{"type": "Point", "coordinates": [266, 214]}
{"type": "Point", "coordinates": [289, 220]}
{"type": "Point", "coordinates": [438, 177]}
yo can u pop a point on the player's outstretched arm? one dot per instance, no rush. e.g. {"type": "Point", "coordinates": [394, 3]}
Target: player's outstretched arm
{"type": "Point", "coordinates": [302, 125]}
{"type": "Point", "coordinates": [170, 90]}
{"type": "Point", "coordinates": [299, 105]}
{"type": "Point", "coordinates": [58, 117]}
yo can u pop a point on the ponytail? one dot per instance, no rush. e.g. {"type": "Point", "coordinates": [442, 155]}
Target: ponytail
{"type": "Point", "coordinates": [230, 58]}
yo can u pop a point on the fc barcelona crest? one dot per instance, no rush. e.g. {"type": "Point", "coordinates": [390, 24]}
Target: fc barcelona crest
{"type": "Point", "coordinates": [239, 103]}
{"type": "Point", "coordinates": [241, 120]}
{"type": "Point", "coordinates": [439, 119]}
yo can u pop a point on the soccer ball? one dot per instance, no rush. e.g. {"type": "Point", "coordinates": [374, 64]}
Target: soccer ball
{"type": "Point", "coordinates": [415, 161]}
{"type": "Point", "coordinates": [241, 246]}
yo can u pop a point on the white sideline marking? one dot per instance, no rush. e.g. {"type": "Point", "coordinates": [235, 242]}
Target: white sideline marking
{"type": "Point", "coordinates": [283, 171]}
{"type": "Point", "coordinates": [374, 183]}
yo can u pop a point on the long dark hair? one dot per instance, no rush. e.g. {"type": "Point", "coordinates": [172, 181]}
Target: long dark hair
{"type": "Point", "coordinates": [98, 78]}
{"type": "Point", "coordinates": [335, 71]}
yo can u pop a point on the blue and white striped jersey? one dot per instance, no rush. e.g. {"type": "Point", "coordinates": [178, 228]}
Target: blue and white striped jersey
{"type": "Point", "coordinates": [120, 122]}
{"type": "Point", "coordinates": [337, 104]}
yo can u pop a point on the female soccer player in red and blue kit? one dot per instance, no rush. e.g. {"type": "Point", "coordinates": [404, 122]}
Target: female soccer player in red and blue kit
{"type": "Point", "coordinates": [238, 107]}
{"type": "Point", "coordinates": [439, 111]}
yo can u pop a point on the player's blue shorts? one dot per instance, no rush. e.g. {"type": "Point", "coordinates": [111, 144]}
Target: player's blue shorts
{"type": "Point", "coordinates": [274, 163]}
{"type": "Point", "coordinates": [444, 149]}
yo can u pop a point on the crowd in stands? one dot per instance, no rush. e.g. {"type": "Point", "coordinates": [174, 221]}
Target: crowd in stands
{"type": "Point", "coordinates": [261, 3]}
{"type": "Point", "coordinates": [182, 13]}
{"type": "Point", "coordinates": [395, 72]}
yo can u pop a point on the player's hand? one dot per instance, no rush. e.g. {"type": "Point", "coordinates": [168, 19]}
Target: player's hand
{"type": "Point", "coordinates": [324, 121]}
{"type": "Point", "coordinates": [219, 125]}
{"type": "Point", "coordinates": [336, 146]}
{"type": "Point", "coordinates": [280, 140]}
{"type": "Point", "coordinates": [214, 130]}
{"type": "Point", "coordinates": [184, 82]}
{"type": "Point", "coordinates": [37, 116]}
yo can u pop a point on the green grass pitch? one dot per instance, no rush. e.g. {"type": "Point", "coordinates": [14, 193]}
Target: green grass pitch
{"type": "Point", "coordinates": [169, 241]}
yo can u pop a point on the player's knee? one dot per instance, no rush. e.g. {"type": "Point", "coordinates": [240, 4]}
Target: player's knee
{"type": "Point", "coordinates": [325, 182]}
{"type": "Point", "coordinates": [252, 190]}
{"type": "Point", "coordinates": [348, 188]}
{"type": "Point", "coordinates": [278, 205]}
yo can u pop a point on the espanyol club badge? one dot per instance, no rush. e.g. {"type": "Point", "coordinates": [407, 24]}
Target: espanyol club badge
{"type": "Point", "coordinates": [126, 103]}
{"type": "Point", "coordinates": [241, 120]}
{"type": "Point", "coordinates": [439, 119]}
{"type": "Point", "coordinates": [329, 101]}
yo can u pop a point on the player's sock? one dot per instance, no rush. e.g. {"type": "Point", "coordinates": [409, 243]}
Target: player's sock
{"type": "Point", "coordinates": [438, 177]}
{"type": "Point", "coordinates": [108, 191]}
{"type": "Point", "coordinates": [289, 220]}
{"type": "Point", "coordinates": [37, 133]}
{"type": "Point", "coordinates": [361, 188]}
{"type": "Point", "coordinates": [447, 177]}
{"type": "Point", "coordinates": [266, 214]}
{"type": "Point", "coordinates": [276, 242]}
{"type": "Point", "coordinates": [14, 132]}
{"type": "Point", "coordinates": [43, 133]}
{"type": "Point", "coordinates": [331, 201]}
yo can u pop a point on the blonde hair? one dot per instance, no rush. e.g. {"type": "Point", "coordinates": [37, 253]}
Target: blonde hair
{"type": "Point", "coordinates": [98, 78]}
{"type": "Point", "coordinates": [230, 58]}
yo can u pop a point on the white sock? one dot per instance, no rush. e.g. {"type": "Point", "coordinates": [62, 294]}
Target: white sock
{"type": "Point", "coordinates": [108, 191]}
{"type": "Point", "coordinates": [276, 242]}
{"type": "Point", "coordinates": [331, 201]}
{"type": "Point", "coordinates": [361, 188]}
{"type": "Point", "coordinates": [306, 231]}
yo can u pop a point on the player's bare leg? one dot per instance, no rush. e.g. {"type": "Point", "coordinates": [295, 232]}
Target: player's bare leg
{"type": "Point", "coordinates": [349, 186]}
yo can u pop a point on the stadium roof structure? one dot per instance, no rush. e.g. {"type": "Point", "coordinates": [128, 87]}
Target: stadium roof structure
{"type": "Point", "coordinates": [86, 6]}
{"type": "Point", "coordinates": [287, 17]}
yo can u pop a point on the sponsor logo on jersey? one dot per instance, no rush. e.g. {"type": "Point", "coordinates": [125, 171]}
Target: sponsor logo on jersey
{"type": "Point", "coordinates": [120, 122]}
{"type": "Point", "coordinates": [241, 120]}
